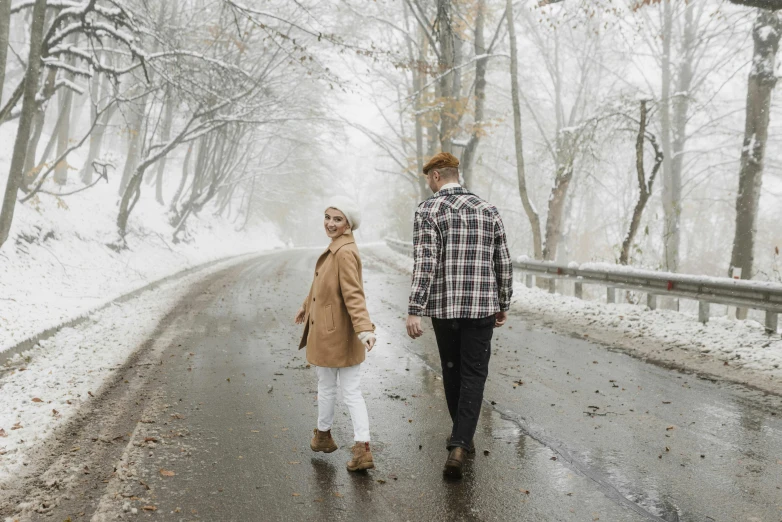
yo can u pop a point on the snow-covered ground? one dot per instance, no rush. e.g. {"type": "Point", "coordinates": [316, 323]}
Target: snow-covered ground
{"type": "Point", "coordinates": [678, 338]}
{"type": "Point", "coordinates": [44, 387]}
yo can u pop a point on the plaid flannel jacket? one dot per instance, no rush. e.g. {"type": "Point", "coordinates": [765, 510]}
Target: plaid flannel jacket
{"type": "Point", "coordinates": [462, 267]}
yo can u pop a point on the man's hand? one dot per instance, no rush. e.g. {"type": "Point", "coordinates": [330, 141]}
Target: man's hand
{"type": "Point", "coordinates": [500, 318]}
{"type": "Point", "coordinates": [370, 343]}
{"type": "Point", "coordinates": [414, 326]}
{"type": "Point", "coordinates": [299, 319]}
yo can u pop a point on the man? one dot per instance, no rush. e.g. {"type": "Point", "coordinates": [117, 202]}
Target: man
{"type": "Point", "coordinates": [463, 280]}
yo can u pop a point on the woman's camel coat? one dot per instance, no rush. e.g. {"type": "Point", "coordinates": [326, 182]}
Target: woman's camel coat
{"type": "Point", "coordinates": [335, 309]}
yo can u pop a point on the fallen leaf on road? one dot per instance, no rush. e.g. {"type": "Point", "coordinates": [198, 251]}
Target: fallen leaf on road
{"type": "Point", "coordinates": [669, 428]}
{"type": "Point", "coordinates": [338, 494]}
{"type": "Point", "coordinates": [149, 508]}
{"type": "Point", "coordinates": [296, 494]}
{"type": "Point", "coordinates": [525, 491]}
{"type": "Point", "coordinates": [317, 500]}
{"type": "Point", "coordinates": [150, 439]}
{"type": "Point", "coordinates": [17, 426]}
{"type": "Point", "coordinates": [255, 431]}
{"type": "Point", "coordinates": [167, 472]}
{"type": "Point", "coordinates": [381, 481]}
{"type": "Point", "coordinates": [90, 394]}
{"type": "Point", "coordinates": [36, 399]}
{"type": "Point", "coordinates": [4, 434]}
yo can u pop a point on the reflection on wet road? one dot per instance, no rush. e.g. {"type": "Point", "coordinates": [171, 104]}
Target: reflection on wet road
{"type": "Point", "coordinates": [570, 431]}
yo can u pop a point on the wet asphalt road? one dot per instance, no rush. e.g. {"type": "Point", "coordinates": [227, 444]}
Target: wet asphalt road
{"type": "Point", "coordinates": [573, 431]}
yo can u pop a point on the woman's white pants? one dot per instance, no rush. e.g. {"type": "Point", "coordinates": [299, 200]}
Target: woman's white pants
{"type": "Point", "coordinates": [350, 382]}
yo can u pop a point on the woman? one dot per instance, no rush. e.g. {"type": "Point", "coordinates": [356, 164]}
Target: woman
{"type": "Point", "coordinates": [338, 332]}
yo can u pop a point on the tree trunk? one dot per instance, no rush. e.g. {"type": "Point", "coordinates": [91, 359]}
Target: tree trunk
{"type": "Point", "coordinates": [671, 205]}
{"type": "Point", "coordinates": [31, 168]}
{"type": "Point", "coordinates": [165, 134]}
{"type": "Point", "coordinates": [446, 42]}
{"type": "Point", "coordinates": [532, 214]}
{"type": "Point", "coordinates": [185, 166]}
{"type": "Point", "coordinates": [5, 24]}
{"type": "Point", "coordinates": [28, 111]}
{"type": "Point", "coordinates": [63, 133]}
{"type": "Point", "coordinates": [468, 157]}
{"type": "Point", "coordinates": [556, 201]}
{"type": "Point", "coordinates": [135, 129]}
{"type": "Point", "coordinates": [97, 137]}
{"type": "Point", "coordinates": [644, 186]}
{"type": "Point", "coordinates": [766, 35]}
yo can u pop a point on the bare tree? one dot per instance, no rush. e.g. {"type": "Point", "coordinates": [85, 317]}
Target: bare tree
{"type": "Point", "coordinates": [532, 213]}
{"type": "Point", "coordinates": [766, 34]}
{"type": "Point", "coordinates": [25, 120]}
{"type": "Point", "coordinates": [644, 185]}
{"type": "Point", "coordinates": [5, 25]}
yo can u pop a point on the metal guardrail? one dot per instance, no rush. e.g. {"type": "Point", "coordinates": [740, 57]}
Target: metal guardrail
{"type": "Point", "coordinates": [706, 290]}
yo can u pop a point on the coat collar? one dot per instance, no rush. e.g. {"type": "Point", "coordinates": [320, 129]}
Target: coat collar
{"type": "Point", "coordinates": [341, 241]}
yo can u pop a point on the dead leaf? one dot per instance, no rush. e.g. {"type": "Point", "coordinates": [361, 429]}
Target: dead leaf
{"type": "Point", "coordinates": [4, 434]}
{"type": "Point", "coordinates": [338, 494]}
{"type": "Point", "coordinates": [317, 500]}
{"type": "Point", "coordinates": [525, 491]}
{"type": "Point", "coordinates": [296, 494]}
{"type": "Point", "coordinates": [17, 426]}
{"type": "Point", "coordinates": [90, 394]}
{"type": "Point", "coordinates": [150, 439]}
{"type": "Point", "coordinates": [36, 399]}
{"type": "Point", "coordinates": [167, 472]}
{"type": "Point", "coordinates": [149, 508]}
{"type": "Point", "coordinates": [381, 481]}
{"type": "Point", "coordinates": [669, 428]}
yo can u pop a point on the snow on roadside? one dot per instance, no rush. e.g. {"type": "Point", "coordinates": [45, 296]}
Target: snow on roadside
{"type": "Point", "coordinates": [743, 344]}
{"type": "Point", "coordinates": [63, 371]}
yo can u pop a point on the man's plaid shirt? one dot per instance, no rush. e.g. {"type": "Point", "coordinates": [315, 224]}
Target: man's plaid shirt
{"type": "Point", "coordinates": [463, 269]}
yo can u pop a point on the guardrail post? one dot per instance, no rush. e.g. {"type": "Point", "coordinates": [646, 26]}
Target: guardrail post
{"type": "Point", "coordinates": [772, 323]}
{"type": "Point", "coordinates": [703, 311]}
{"type": "Point", "coordinates": [578, 290]}
{"type": "Point", "coordinates": [610, 294]}
{"type": "Point", "coordinates": [552, 286]}
{"type": "Point", "coordinates": [651, 301]}
{"type": "Point", "coordinates": [529, 280]}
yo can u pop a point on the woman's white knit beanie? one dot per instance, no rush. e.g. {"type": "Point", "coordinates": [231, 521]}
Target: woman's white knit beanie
{"type": "Point", "coordinates": [347, 207]}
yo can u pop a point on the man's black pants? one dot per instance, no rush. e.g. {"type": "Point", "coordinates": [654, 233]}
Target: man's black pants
{"type": "Point", "coordinates": [465, 349]}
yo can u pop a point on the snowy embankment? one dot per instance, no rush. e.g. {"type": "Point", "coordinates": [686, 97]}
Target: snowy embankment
{"type": "Point", "coordinates": [728, 348]}
{"type": "Point", "coordinates": [57, 266]}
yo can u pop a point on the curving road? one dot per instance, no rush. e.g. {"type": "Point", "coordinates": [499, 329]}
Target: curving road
{"type": "Point", "coordinates": [219, 408]}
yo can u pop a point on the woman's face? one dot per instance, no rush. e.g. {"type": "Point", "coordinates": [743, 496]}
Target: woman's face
{"type": "Point", "coordinates": [335, 223]}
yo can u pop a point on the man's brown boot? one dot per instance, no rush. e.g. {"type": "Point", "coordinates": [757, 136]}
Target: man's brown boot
{"type": "Point", "coordinates": [322, 441]}
{"type": "Point", "coordinates": [455, 463]}
{"type": "Point", "coordinates": [362, 457]}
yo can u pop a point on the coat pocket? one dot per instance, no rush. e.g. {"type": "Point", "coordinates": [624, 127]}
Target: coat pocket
{"type": "Point", "coordinates": [329, 319]}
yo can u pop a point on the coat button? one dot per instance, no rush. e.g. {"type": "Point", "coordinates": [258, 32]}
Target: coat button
{"type": "Point", "coordinates": [313, 321]}
{"type": "Point", "coordinates": [313, 298]}
{"type": "Point", "coordinates": [316, 273]}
